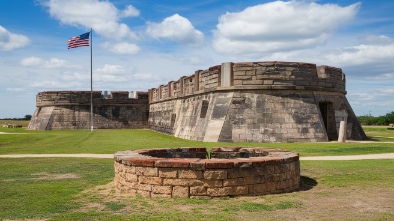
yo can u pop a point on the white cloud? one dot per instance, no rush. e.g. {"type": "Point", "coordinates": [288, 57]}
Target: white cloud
{"type": "Point", "coordinates": [31, 61]}
{"type": "Point", "coordinates": [121, 48]}
{"type": "Point", "coordinates": [51, 63]}
{"type": "Point", "coordinates": [389, 92]}
{"type": "Point", "coordinates": [363, 54]}
{"type": "Point", "coordinates": [102, 16]}
{"type": "Point", "coordinates": [75, 76]}
{"type": "Point", "coordinates": [10, 41]}
{"type": "Point", "coordinates": [145, 77]}
{"type": "Point", "coordinates": [111, 69]}
{"type": "Point", "coordinates": [360, 96]}
{"type": "Point", "coordinates": [56, 84]}
{"type": "Point", "coordinates": [130, 11]}
{"type": "Point", "coordinates": [378, 39]}
{"type": "Point", "coordinates": [15, 89]}
{"type": "Point", "coordinates": [175, 28]}
{"type": "Point", "coordinates": [279, 26]}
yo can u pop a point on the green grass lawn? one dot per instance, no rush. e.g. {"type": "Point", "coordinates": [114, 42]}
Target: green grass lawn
{"type": "Point", "coordinates": [80, 189]}
{"type": "Point", "coordinates": [74, 189]}
{"type": "Point", "coordinates": [110, 141]}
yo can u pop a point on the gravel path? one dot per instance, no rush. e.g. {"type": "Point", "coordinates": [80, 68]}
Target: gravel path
{"type": "Point", "coordinates": [110, 156]}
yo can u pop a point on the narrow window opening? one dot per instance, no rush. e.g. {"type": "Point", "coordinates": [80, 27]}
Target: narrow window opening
{"type": "Point", "coordinates": [204, 108]}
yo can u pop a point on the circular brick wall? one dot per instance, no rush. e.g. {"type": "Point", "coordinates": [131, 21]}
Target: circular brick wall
{"type": "Point", "coordinates": [188, 173]}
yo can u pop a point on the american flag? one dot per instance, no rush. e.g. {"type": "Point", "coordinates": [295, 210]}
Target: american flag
{"type": "Point", "coordinates": [79, 41]}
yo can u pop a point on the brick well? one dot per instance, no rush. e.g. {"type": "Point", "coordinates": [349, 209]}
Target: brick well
{"type": "Point", "coordinates": [190, 173]}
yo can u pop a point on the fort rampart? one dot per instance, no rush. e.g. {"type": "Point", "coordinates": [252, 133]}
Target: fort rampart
{"type": "Point", "coordinates": [71, 110]}
{"type": "Point", "coordinates": [232, 102]}
{"type": "Point", "coordinates": [255, 102]}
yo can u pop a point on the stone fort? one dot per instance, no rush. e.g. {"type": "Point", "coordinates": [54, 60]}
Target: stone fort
{"type": "Point", "coordinates": [231, 102]}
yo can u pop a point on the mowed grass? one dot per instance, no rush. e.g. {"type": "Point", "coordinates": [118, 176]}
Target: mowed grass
{"type": "Point", "coordinates": [380, 133]}
{"type": "Point", "coordinates": [80, 189]}
{"type": "Point", "coordinates": [24, 123]}
{"type": "Point", "coordinates": [110, 141]}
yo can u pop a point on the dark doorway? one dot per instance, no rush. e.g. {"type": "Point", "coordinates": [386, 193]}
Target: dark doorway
{"type": "Point", "coordinates": [328, 115]}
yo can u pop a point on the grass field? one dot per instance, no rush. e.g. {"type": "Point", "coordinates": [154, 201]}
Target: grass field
{"type": "Point", "coordinates": [82, 189]}
{"type": "Point", "coordinates": [110, 141]}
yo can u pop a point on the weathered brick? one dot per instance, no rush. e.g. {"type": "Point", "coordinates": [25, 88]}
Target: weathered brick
{"type": "Point", "coordinates": [242, 77]}
{"type": "Point", "coordinates": [180, 191]}
{"type": "Point", "coordinates": [234, 182]}
{"type": "Point", "coordinates": [146, 171]}
{"type": "Point", "coordinates": [143, 162]}
{"type": "Point", "coordinates": [162, 189]}
{"type": "Point", "coordinates": [192, 182]}
{"type": "Point", "coordinates": [198, 191]}
{"type": "Point", "coordinates": [168, 172]}
{"type": "Point", "coordinates": [194, 174]}
{"type": "Point", "coordinates": [144, 187]}
{"type": "Point", "coordinates": [131, 178]}
{"type": "Point", "coordinates": [252, 82]}
{"type": "Point", "coordinates": [176, 162]}
{"type": "Point", "coordinates": [199, 165]}
{"type": "Point", "coordinates": [228, 191]}
{"type": "Point", "coordinates": [130, 170]}
{"type": "Point", "coordinates": [177, 182]}
{"type": "Point", "coordinates": [260, 188]}
{"type": "Point", "coordinates": [268, 82]}
{"type": "Point", "coordinates": [215, 174]}
{"type": "Point", "coordinates": [160, 195]}
{"type": "Point", "coordinates": [144, 193]}
{"type": "Point", "coordinates": [150, 180]}
{"type": "Point", "coordinates": [219, 164]}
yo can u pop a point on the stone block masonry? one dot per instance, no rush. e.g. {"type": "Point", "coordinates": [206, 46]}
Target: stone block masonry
{"type": "Point", "coordinates": [255, 102]}
{"type": "Point", "coordinates": [58, 110]}
{"type": "Point", "coordinates": [187, 173]}
{"type": "Point", "coordinates": [232, 102]}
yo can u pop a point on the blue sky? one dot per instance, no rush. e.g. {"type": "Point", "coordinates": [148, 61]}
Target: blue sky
{"type": "Point", "coordinates": [139, 45]}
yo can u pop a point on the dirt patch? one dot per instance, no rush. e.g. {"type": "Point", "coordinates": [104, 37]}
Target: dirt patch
{"type": "Point", "coordinates": [312, 202]}
{"type": "Point", "coordinates": [11, 133]}
{"type": "Point", "coordinates": [49, 176]}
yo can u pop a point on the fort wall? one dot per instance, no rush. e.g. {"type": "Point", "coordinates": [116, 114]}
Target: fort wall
{"type": "Point", "coordinates": [255, 102]}
{"type": "Point", "coordinates": [71, 110]}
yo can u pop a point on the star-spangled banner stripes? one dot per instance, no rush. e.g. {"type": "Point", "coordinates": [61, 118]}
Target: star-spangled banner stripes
{"type": "Point", "coordinates": [78, 41]}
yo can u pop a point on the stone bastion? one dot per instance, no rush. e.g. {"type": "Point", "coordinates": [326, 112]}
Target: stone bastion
{"type": "Point", "coordinates": [255, 102]}
{"type": "Point", "coordinates": [59, 110]}
{"type": "Point", "coordinates": [189, 173]}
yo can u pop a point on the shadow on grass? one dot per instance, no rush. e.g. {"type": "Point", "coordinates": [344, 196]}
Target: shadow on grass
{"type": "Point", "coordinates": [307, 183]}
{"type": "Point", "coordinates": [372, 139]}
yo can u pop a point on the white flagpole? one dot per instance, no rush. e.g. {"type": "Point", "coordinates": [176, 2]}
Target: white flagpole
{"type": "Point", "coordinates": [91, 81]}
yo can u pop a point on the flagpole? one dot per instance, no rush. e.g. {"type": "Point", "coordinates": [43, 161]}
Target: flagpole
{"type": "Point", "coordinates": [91, 81]}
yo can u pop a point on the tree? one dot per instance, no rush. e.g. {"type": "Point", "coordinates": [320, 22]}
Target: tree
{"type": "Point", "coordinates": [389, 117]}
{"type": "Point", "coordinates": [28, 117]}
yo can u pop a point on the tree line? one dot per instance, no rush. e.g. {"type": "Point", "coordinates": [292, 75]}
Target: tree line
{"type": "Point", "coordinates": [27, 117]}
{"type": "Point", "coordinates": [381, 120]}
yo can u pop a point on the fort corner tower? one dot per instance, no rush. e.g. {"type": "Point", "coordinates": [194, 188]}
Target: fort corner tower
{"type": "Point", "coordinates": [255, 102]}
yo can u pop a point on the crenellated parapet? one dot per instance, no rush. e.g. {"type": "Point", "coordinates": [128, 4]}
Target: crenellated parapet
{"type": "Point", "coordinates": [254, 76]}
{"type": "Point", "coordinates": [64, 98]}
